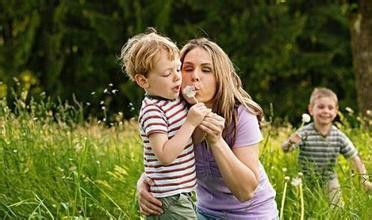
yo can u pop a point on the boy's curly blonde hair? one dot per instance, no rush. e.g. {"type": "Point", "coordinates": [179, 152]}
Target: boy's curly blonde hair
{"type": "Point", "coordinates": [137, 55]}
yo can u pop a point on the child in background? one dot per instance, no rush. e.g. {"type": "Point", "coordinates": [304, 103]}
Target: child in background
{"type": "Point", "coordinates": [166, 125]}
{"type": "Point", "coordinates": [321, 142]}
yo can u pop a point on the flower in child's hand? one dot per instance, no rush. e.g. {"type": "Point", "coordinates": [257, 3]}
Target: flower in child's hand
{"type": "Point", "coordinates": [189, 92]}
{"type": "Point", "coordinates": [306, 118]}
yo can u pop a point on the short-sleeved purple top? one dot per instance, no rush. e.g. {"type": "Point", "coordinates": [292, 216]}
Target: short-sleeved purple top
{"type": "Point", "coordinates": [213, 196]}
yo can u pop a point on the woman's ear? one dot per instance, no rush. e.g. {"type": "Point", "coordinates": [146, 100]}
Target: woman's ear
{"type": "Point", "coordinates": [141, 80]}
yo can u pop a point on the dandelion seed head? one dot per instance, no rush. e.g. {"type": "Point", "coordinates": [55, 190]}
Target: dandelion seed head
{"type": "Point", "coordinates": [284, 169]}
{"type": "Point", "coordinates": [189, 91]}
{"type": "Point", "coordinates": [287, 178]}
{"type": "Point", "coordinates": [296, 181]}
{"type": "Point", "coordinates": [306, 118]}
{"type": "Point", "coordinates": [92, 93]}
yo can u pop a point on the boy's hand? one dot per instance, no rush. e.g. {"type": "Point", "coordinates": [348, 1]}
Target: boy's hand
{"type": "Point", "coordinates": [292, 140]}
{"type": "Point", "coordinates": [367, 184]}
{"type": "Point", "coordinates": [197, 113]}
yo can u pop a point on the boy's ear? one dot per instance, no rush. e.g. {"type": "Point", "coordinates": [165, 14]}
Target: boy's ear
{"type": "Point", "coordinates": [141, 80]}
{"type": "Point", "coordinates": [310, 109]}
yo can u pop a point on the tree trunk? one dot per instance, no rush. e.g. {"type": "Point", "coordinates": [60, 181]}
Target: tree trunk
{"type": "Point", "coordinates": [361, 43]}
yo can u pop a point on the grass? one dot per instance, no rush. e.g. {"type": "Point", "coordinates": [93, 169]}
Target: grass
{"type": "Point", "coordinates": [55, 169]}
{"type": "Point", "coordinates": [53, 165]}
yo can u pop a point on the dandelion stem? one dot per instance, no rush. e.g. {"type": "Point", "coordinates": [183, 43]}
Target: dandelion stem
{"type": "Point", "coordinates": [196, 101]}
{"type": "Point", "coordinates": [302, 203]}
{"type": "Point", "coordinates": [283, 200]}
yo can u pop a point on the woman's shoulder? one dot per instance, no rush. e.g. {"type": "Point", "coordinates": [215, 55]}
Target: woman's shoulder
{"type": "Point", "coordinates": [246, 113]}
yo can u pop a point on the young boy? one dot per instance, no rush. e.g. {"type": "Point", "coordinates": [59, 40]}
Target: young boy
{"type": "Point", "coordinates": [166, 125]}
{"type": "Point", "coordinates": [320, 143]}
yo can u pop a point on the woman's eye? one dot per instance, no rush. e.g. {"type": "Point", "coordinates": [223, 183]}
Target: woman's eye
{"type": "Point", "coordinates": [187, 69]}
{"type": "Point", "coordinates": [207, 70]}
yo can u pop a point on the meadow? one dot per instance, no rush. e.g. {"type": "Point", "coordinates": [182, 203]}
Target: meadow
{"type": "Point", "coordinates": [54, 165]}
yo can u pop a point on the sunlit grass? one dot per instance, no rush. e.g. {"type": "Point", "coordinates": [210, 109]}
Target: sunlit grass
{"type": "Point", "coordinates": [53, 165]}
{"type": "Point", "coordinates": [51, 168]}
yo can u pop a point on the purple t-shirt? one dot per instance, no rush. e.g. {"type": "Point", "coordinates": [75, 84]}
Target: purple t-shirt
{"type": "Point", "coordinates": [213, 196]}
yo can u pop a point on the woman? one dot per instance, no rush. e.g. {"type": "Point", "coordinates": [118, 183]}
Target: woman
{"type": "Point", "coordinates": [231, 181]}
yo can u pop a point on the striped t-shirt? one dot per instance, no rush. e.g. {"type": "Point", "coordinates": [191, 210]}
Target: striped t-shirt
{"type": "Point", "coordinates": [159, 115]}
{"type": "Point", "coordinates": [318, 154]}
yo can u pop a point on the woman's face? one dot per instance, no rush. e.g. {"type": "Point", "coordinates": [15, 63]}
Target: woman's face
{"type": "Point", "coordinates": [197, 71]}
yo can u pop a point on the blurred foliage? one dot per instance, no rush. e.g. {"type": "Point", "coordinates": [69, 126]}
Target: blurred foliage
{"type": "Point", "coordinates": [70, 48]}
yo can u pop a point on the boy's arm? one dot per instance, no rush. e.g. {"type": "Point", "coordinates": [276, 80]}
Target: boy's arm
{"type": "Point", "coordinates": [167, 150]}
{"type": "Point", "coordinates": [288, 145]}
{"type": "Point", "coordinates": [360, 168]}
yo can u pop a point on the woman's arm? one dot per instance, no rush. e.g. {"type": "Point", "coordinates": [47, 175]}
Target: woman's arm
{"type": "Point", "coordinates": [238, 166]}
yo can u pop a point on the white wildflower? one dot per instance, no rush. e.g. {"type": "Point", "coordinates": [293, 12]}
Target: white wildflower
{"type": "Point", "coordinates": [350, 110]}
{"type": "Point", "coordinates": [296, 181]}
{"type": "Point", "coordinates": [306, 118]}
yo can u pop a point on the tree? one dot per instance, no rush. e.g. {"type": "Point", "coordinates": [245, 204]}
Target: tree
{"type": "Point", "coordinates": [361, 43]}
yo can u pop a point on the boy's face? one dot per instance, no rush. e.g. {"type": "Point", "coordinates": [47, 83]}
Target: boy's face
{"type": "Point", "coordinates": [164, 79]}
{"type": "Point", "coordinates": [324, 110]}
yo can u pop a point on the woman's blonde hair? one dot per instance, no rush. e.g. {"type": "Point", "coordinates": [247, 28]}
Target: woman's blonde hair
{"type": "Point", "coordinates": [137, 55]}
{"type": "Point", "coordinates": [229, 92]}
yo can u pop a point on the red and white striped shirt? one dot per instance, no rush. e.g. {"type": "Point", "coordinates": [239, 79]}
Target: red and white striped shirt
{"type": "Point", "coordinates": [158, 115]}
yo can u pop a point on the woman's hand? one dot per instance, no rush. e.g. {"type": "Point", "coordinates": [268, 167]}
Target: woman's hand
{"type": "Point", "coordinates": [213, 126]}
{"type": "Point", "coordinates": [148, 204]}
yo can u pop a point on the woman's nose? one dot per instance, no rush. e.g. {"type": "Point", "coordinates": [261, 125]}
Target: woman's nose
{"type": "Point", "coordinates": [195, 77]}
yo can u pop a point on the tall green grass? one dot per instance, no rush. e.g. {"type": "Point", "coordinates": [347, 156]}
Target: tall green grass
{"type": "Point", "coordinates": [54, 168]}
{"type": "Point", "coordinates": [53, 165]}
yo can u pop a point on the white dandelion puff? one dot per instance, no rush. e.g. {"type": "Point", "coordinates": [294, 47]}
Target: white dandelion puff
{"type": "Point", "coordinates": [306, 118]}
{"type": "Point", "coordinates": [296, 181]}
